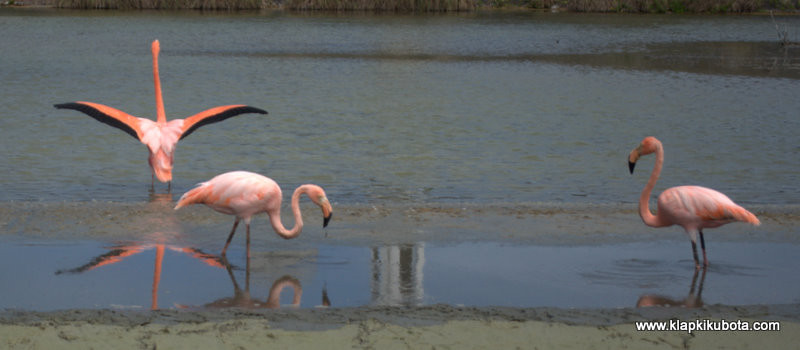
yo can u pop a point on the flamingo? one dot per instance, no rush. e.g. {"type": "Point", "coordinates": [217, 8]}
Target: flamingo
{"type": "Point", "coordinates": [692, 207]}
{"type": "Point", "coordinates": [160, 136]}
{"type": "Point", "coordinates": [244, 194]}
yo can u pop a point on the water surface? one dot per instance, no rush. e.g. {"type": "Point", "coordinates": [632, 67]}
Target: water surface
{"type": "Point", "coordinates": [485, 107]}
{"type": "Point", "coordinates": [60, 275]}
{"type": "Point", "coordinates": [392, 111]}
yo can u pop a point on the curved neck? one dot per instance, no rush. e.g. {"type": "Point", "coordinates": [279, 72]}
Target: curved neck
{"type": "Point", "coordinates": [644, 200]}
{"type": "Point", "coordinates": [275, 217]}
{"type": "Point", "coordinates": [160, 114]}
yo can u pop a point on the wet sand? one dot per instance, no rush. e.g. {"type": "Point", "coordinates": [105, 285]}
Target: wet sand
{"type": "Point", "coordinates": [436, 326]}
{"type": "Point", "coordinates": [433, 326]}
{"type": "Point", "coordinates": [530, 223]}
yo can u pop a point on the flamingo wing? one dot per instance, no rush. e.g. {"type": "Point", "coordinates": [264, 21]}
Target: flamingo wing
{"type": "Point", "coordinates": [214, 115]}
{"type": "Point", "coordinates": [708, 205]}
{"type": "Point", "coordinates": [108, 115]}
{"type": "Point", "coordinates": [239, 193]}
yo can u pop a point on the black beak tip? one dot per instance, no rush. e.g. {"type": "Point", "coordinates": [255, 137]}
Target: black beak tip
{"type": "Point", "coordinates": [326, 220]}
{"type": "Point", "coordinates": [631, 165]}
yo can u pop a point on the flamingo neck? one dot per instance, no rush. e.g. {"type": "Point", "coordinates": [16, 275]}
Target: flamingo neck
{"type": "Point", "coordinates": [275, 217]}
{"type": "Point", "coordinates": [160, 113]}
{"type": "Point", "coordinates": [644, 200]}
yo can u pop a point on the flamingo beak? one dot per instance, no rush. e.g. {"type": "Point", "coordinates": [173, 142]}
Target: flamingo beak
{"type": "Point", "coordinates": [327, 211]}
{"type": "Point", "coordinates": [632, 158]}
{"type": "Point", "coordinates": [326, 219]}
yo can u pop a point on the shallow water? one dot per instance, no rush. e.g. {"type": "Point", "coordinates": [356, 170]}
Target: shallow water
{"type": "Point", "coordinates": [388, 112]}
{"type": "Point", "coordinates": [90, 275]}
{"type": "Point", "coordinates": [485, 107]}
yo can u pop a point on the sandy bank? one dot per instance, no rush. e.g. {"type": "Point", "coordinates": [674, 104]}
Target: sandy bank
{"type": "Point", "coordinates": [391, 327]}
{"type": "Point", "coordinates": [529, 223]}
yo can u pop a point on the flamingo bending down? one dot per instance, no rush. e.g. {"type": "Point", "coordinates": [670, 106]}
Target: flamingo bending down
{"type": "Point", "coordinates": [160, 136]}
{"type": "Point", "coordinates": [244, 194]}
{"type": "Point", "coordinates": [692, 207]}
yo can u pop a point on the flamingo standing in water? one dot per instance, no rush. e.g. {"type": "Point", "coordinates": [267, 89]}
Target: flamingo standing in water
{"type": "Point", "coordinates": [244, 194]}
{"type": "Point", "coordinates": [160, 136]}
{"type": "Point", "coordinates": [692, 207]}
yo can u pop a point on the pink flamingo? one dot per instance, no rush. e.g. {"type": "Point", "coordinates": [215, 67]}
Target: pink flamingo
{"type": "Point", "coordinates": [160, 136]}
{"type": "Point", "coordinates": [245, 194]}
{"type": "Point", "coordinates": [692, 207]}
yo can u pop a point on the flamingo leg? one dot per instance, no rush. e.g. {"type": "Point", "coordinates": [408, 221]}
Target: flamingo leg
{"type": "Point", "coordinates": [703, 246]}
{"type": "Point", "coordinates": [230, 236]}
{"type": "Point", "coordinates": [169, 186]}
{"type": "Point", "coordinates": [694, 252]}
{"type": "Point", "coordinates": [248, 242]}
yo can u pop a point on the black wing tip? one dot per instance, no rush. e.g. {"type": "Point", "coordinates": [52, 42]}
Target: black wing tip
{"type": "Point", "coordinates": [66, 105]}
{"type": "Point", "coordinates": [228, 113]}
{"type": "Point", "coordinates": [99, 116]}
{"type": "Point", "coordinates": [251, 109]}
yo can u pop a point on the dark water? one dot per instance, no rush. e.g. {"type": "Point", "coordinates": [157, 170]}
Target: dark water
{"type": "Point", "coordinates": [392, 109]}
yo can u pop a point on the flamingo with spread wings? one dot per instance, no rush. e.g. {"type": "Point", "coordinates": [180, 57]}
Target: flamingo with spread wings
{"type": "Point", "coordinates": [160, 136]}
{"type": "Point", "coordinates": [692, 207]}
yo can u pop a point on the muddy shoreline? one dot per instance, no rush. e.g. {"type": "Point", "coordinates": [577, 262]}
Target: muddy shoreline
{"type": "Point", "coordinates": [396, 327]}
{"type": "Point", "coordinates": [364, 224]}
{"type": "Point", "coordinates": [406, 316]}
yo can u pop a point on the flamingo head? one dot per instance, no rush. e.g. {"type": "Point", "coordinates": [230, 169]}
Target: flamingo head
{"type": "Point", "coordinates": [649, 145]}
{"type": "Point", "coordinates": [317, 195]}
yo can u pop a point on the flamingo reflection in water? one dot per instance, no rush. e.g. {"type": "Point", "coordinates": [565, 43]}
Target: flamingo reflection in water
{"type": "Point", "coordinates": [693, 300]}
{"type": "Point", "coordinates": [121, 252]}
{"type": "Point", "coordinates": [243, 299]}
{"type": "Point", "coordinates": [168, 230]}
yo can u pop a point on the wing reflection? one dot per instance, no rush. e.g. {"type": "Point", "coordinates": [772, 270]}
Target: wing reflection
{"type": "Point", "coordinates": [397, 274]}
{"type": "Point", "coordinates": [119, 253]}
{"type": "Point", "coordinates": [690, 301]}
